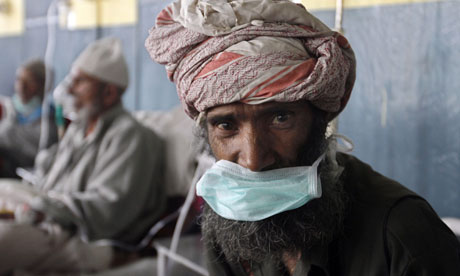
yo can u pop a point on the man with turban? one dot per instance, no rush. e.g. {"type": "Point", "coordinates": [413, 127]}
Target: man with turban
{"type": "Point", "coordinates": [21, 118]}
{"type": "Point", "coordinates": [263, 79]}
{"type": "Point", "coordinates": [104, 182]}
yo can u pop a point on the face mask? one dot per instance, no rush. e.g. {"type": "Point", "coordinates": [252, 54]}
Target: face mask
{"type": "Point", "coordinates": [237, 193]}
{"type": "Point", "coordinates": [65, 102]}
{"type": "Point", "coordinates": [26, 108]}
{"type": "Point", "coordinates": [29, 112]}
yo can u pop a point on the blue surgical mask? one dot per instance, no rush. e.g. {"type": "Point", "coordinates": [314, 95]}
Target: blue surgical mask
{"type": "Point", "coordinates": [26, 108]}
{"type": "Point", "coordinates": [27, 112]}
{"type": "Point", "coordinates": [237, 193]}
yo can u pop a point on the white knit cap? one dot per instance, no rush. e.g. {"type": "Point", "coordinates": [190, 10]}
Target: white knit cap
{"type": "Point", "coordinates": [104, 60]}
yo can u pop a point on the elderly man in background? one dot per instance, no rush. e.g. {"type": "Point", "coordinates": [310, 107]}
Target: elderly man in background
{"type": "Point", "coordinates": [264, 79]}
{"type": "Point", "coordinates": [104, 181]}
{"type": "Point", "coordinates": [20, 119]}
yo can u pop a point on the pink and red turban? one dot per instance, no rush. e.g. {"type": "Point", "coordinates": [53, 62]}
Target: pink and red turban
{"type": "Point", "coordinates": [221, 51]}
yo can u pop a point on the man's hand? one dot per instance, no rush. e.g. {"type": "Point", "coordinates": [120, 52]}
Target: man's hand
{"type": "Point", "coordinates": [22, 214]}
{"type": "Point", "coordinates": [25, 214]}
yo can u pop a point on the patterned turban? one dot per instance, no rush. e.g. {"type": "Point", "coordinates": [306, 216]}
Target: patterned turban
{"type": "Point", "coordinates": [224, 51]}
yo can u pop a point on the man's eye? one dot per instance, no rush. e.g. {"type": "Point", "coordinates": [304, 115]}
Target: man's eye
{"type": "Point", "coordinates": [224, 125]}
{"type": "Point", "coordinates": [76, 81]}
{"type": "Point", "coordinates": [281, 118]}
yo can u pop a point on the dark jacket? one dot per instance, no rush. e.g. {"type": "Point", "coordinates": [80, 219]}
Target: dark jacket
{"type": "Point", "coordinates": [388, 230]}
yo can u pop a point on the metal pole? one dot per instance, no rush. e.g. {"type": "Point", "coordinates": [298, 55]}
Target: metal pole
{"type": "Point", "coordinates": [338, 16]}
{"type": "Point", "coordinates": [334, 124]}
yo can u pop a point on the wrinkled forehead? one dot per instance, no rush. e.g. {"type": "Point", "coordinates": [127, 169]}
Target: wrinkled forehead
{"type": "Point", "coordinates": [239, 110]}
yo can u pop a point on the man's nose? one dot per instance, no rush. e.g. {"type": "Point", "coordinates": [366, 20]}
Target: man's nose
{"type": "Point", "coordinates": [19, 87]}
{"type": "Point", "coordinates": [255, 153]}
{"type": "Point", "coordinates": [70, 88]}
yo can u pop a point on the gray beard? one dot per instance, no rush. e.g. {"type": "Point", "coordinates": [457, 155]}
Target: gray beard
{"type": "Point", "coordinates": [314, 224]}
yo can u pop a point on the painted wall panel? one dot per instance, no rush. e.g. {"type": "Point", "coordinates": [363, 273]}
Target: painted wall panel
{"type": "Point", "coordinates": [83, 14]}
{"type": "Point", "coordinates": [12, 19]}
{"type": "Point", "coordinates": [118, 12]}
{"type": "Point", "coordinates": [91, 14]}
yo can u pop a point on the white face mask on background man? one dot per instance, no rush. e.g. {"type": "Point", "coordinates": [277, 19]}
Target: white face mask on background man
{"type": "Point", "coordinates": [65, 102]}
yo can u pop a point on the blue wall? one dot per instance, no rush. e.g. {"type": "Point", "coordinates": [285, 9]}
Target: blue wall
{"type": "Point", "coordinates": [404, 112]}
